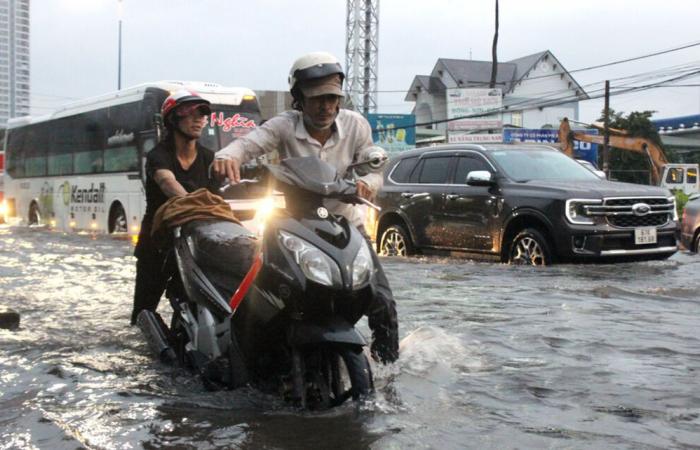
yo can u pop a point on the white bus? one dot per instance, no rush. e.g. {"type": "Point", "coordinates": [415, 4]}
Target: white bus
{"type": "Point", "coordinates": [2, 170]}
{"type": "Point", "coordinates": [82, 167]}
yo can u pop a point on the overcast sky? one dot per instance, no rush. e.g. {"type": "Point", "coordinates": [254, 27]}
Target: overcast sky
{"type": "Point", "coordinates": [74, 43]}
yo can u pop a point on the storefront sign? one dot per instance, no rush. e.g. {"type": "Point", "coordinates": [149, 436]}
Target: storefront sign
{"type": "Point", "coordinates": [582, 150]}
{"type": "Point", "coordinates": [460, 137]}
{"type": "Point", "coordinates": [474, 105]}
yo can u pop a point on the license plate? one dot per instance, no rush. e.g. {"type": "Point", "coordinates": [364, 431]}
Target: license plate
{"type": "Point", "coordinates": [644, 236]}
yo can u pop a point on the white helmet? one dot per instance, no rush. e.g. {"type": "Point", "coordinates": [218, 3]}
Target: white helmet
{"type": "Point", "coordinates": [317, 65]}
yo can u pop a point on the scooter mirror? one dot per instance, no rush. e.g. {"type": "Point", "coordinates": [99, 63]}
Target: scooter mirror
{"type": "Point", "coordinates": [377, 160]}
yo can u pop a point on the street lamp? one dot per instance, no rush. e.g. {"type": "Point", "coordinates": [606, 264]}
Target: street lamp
{"type": "Point", "coordinates": [119, 63]}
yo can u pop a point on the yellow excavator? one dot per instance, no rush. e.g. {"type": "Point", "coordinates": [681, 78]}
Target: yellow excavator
{"type": "Point", "coordinates": [663, 173]}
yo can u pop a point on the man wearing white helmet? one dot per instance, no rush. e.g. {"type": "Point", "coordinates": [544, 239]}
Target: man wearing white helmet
{"type": "Point", "coordinates": [319, 127]}
{"type": "Point", "coordinates": [176, 166]}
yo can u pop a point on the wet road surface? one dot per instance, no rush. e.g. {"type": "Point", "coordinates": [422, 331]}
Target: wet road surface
{"type": "Point", "coordinates": [492, 356]}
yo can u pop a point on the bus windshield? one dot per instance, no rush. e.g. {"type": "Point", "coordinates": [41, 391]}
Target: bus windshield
{"type": "Point", "coordinates": [226, 123]}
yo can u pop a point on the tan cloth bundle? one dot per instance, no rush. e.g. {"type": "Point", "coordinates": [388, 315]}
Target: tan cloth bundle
{"type": "Point", "coordinates": [198, 205]}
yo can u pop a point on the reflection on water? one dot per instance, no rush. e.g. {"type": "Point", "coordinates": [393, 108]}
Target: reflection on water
{"type": "Point", "coordinates": [492, 356]}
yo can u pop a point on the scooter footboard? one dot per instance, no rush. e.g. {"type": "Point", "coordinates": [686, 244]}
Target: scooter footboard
{"type": "Point", "coordinates": [335, 330]}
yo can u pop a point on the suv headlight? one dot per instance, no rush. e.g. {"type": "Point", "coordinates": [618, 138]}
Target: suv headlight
{"type": "Point", "coordinates": [577, 210]}
{"type": "Point", "coordinates": [675, 207]}
{"type": "Point", "coordinates": [362, 266]}
{"type": "Point", "coordinates": [316, 265]}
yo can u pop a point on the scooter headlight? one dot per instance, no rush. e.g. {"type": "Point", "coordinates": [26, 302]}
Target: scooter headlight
{"type": "Point", "coordinates": [316, 265]}
{"type": "Point", "coordinates": [362, 267]}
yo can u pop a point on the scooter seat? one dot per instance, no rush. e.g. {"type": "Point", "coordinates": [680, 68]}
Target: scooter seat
{"type": "Point", "coordinates": [225, 247]}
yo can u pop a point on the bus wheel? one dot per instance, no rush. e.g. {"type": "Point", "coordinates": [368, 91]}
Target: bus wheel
{"type": "Point", "coordinates": [34, 217]}
{"type": "Point", "coordinates": [117, 219]}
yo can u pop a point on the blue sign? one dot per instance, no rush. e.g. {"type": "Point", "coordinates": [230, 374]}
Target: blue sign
{"type": "Point", "coordinates": [582, 150]}
{"type": "Point", "coordinates": [393, 132]}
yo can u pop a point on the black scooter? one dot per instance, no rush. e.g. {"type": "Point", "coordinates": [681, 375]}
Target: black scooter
{"type": "Point", "coordinates": [280, 312]}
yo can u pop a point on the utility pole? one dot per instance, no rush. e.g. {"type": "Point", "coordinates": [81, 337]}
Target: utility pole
{"type": "Point", "coordinates": [119, 61]}
{"type": "Point", "coordinates": [494, 54]}
{"type": "Point", "coordinates": [361, 54]}
{"type": "Point", "coordinates": [606, 131]}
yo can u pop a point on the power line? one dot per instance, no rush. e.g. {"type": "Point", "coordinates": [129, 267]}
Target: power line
{"type": "Point", "coordinates": [597, 86]}
{"type": "Point", "coordinates": [583, 69]}
{"type": "Point", "coordinates": [535, 104]}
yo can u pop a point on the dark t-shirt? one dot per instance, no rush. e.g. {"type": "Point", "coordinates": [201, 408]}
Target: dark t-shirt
{"type": "Point", "coordinates": [163, 157]}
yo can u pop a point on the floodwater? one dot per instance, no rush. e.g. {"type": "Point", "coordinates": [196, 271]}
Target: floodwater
{"type": "Point", "coordinates": [492, 356]}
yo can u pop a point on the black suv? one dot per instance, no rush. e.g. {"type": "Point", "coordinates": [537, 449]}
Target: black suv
{"type": "Point", "coordinates": [526, 204]}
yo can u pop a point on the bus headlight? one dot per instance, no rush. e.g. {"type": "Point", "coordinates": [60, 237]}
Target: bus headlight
{"type": "Point", "coordinates": [316, 265]}
{"type": "Point", "coordinates": [362, 266]}
{"type": "Point", "coordinates": [3, 208]}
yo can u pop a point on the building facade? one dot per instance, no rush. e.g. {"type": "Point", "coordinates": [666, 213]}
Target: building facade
{"type": "Point", "coordinates": [537, 91]}
{"type": "Point", "coordinates": [14, 59]}
{"type": "Point", "coordinates": [681, 135]}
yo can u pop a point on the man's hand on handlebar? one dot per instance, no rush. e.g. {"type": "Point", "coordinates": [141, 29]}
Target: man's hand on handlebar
{"type": "Point", "coordinates": [227, 168]}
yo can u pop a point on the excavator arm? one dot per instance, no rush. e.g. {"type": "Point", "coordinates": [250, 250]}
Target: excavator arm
{"type": "Point", "coordinates": [657, 158]}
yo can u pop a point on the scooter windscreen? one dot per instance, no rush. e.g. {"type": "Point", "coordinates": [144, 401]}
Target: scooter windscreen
{"type": "Point", "coordinates": [313, 175]}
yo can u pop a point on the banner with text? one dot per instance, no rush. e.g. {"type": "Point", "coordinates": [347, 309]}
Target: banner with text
{"type": "Point", "coordinates": [474, 102]}
{"type": "Point", "coordinates": [393, 132]}
{"type": "Point", "coordinates": [582, 150]}
{"type": "Point", "coordinates": [468, 138]}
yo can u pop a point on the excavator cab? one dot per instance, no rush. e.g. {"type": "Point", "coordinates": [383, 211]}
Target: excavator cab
{"type": "Point", "coordinates": [682, 177]}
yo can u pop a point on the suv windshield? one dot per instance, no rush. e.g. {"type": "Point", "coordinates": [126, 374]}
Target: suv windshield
{"type": "Point", "coordinates": [526, 165]}
{"type": "Point", "coordinates": [227, 123]}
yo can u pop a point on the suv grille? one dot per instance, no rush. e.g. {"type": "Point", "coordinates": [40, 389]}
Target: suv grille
{"type": "Point", "coordinates": [620, 212]}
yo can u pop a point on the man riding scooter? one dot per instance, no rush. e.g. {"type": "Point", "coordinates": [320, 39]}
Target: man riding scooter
{"type": "Point", "coordinates": [319, 127]}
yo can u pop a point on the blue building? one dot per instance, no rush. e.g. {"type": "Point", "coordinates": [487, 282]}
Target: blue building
{"type": "Point", "coordinates": [681, 135]}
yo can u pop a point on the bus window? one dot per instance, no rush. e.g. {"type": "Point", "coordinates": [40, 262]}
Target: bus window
{"type": "Point", "coordinates": [692, 175]}
{"type": "Point", "coordinates": [209, 137]}
{"type": "Point", "coordinates": [124, 158]}
{"type": "Point", "coordinates": [88, 156]}
{"type": "Point", "coordinates": [63, 136]}
{"type": "Point", "coordinates": [13, 153]}
{"type": "Point", "coordinates": [36, 143]}
{"type": "Point", "coordinates": [121, 154]}
{"type": "Point", "coordinates": [227, 123]}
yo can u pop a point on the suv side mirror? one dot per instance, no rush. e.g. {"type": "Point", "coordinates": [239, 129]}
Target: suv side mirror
{"type": "Point", "coordinates": [479, 178]}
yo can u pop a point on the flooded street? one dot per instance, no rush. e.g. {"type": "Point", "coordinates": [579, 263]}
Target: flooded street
{"type": "Point", "coordinates": [492, 356]}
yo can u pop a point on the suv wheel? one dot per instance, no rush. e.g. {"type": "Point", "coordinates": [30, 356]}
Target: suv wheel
{"type": "Point", "coordinates": [530, 248]}
{"type": "Point", "coordinates": [395, 241]}
{"type": "Point", "coordinates": [696, 244]}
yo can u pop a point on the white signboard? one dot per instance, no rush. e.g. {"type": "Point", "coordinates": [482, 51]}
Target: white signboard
{"type": "Point", "coordinates": [474, 102]}
{"type": "Point", "coordinates": [460, 137]}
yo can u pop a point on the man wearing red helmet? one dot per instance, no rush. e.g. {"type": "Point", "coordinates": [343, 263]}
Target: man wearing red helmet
{"type": "Point", "coordinates": [176, 166]}
{"type": "Point", "coordinates": [319, 127]}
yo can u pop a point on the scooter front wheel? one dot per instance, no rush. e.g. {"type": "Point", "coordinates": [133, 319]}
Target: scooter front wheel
{"type": "Point", "coordinates": [358, 371]}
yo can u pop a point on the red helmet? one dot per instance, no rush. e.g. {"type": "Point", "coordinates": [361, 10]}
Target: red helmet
{"type": "Point", "coordinates": [181, 97]}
